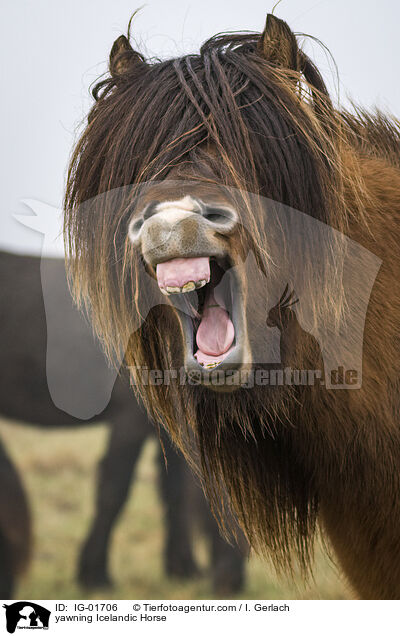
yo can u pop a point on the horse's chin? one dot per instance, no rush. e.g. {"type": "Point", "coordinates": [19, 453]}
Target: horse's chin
{"type": "Point", "coordinates": [220, 368]}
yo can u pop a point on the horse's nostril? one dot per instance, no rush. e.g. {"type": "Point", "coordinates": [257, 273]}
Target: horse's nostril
{"type": "Point", "coordinates": [215, 217]}
{"type": "Point", "coordinates": [220, 216]}
{"type": "Point", "coordinates": [136, 225]}
{"type": "Point", "coordinates": [134, 229]}
{"type": "Point", "coordinates": [149, 210]}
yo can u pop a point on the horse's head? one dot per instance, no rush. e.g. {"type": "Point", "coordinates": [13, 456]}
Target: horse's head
{"type": "Point", "coordinates": [187, 234]}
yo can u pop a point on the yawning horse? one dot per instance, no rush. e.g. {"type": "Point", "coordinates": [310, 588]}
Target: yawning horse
{"type": "Point", "coordinates": [201, 189]}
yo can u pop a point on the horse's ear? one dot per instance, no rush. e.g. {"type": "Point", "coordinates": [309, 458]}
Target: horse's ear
{"type": "Point", "coordinates": [123, 58]}
{"type": "Point", "coordinates": [278, 44]}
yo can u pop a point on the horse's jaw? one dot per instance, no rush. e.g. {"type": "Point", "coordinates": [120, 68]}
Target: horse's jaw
{"type": "Point", "coordinates": [209, 295]}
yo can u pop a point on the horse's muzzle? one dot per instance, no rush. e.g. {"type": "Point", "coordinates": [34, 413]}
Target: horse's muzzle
{"type": "Point", "coordinates": [185, 228]}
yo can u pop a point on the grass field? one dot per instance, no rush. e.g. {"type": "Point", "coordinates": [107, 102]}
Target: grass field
{"type": "Point", "coordinates": [59, 469]}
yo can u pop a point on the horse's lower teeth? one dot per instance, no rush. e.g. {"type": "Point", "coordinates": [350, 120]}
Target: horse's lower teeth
{"type": "Point", "coordinates": [209, 365]}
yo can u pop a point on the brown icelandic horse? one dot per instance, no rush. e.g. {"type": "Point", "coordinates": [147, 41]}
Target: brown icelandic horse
{"type": "Point", "coordinates": [195, 146]}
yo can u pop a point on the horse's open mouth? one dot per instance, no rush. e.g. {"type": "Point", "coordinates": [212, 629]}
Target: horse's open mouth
{"type": "Point", "coordinates": [208, 293]}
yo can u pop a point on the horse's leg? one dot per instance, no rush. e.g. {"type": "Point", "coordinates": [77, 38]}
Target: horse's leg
{"type": "Point", "coordinates": [228, 560]}
{"type": "Point", "coordinates": [174, 480]}
{"type": "Point", "coordinates": [127, 435]}
{"type": "Point", "coordinates": [15, 526]}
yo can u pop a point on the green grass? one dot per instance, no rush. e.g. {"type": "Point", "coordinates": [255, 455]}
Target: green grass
{"type": "Point", "coordinates": [59, 470]}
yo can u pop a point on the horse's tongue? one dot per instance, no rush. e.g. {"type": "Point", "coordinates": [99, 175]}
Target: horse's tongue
{"type": "Point", "coordinates": [216, 331]}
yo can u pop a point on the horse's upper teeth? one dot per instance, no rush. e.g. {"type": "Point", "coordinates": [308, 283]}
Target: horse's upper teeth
{"type": "Point", "coordinates": [188, 287]}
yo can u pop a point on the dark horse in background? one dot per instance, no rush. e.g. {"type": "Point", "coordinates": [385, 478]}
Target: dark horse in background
{"type": "Point", "coordinates": [24, 396]}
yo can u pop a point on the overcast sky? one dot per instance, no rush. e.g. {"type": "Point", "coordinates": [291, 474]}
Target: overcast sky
{"type": "Point", "coordinates": [53, 50]}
